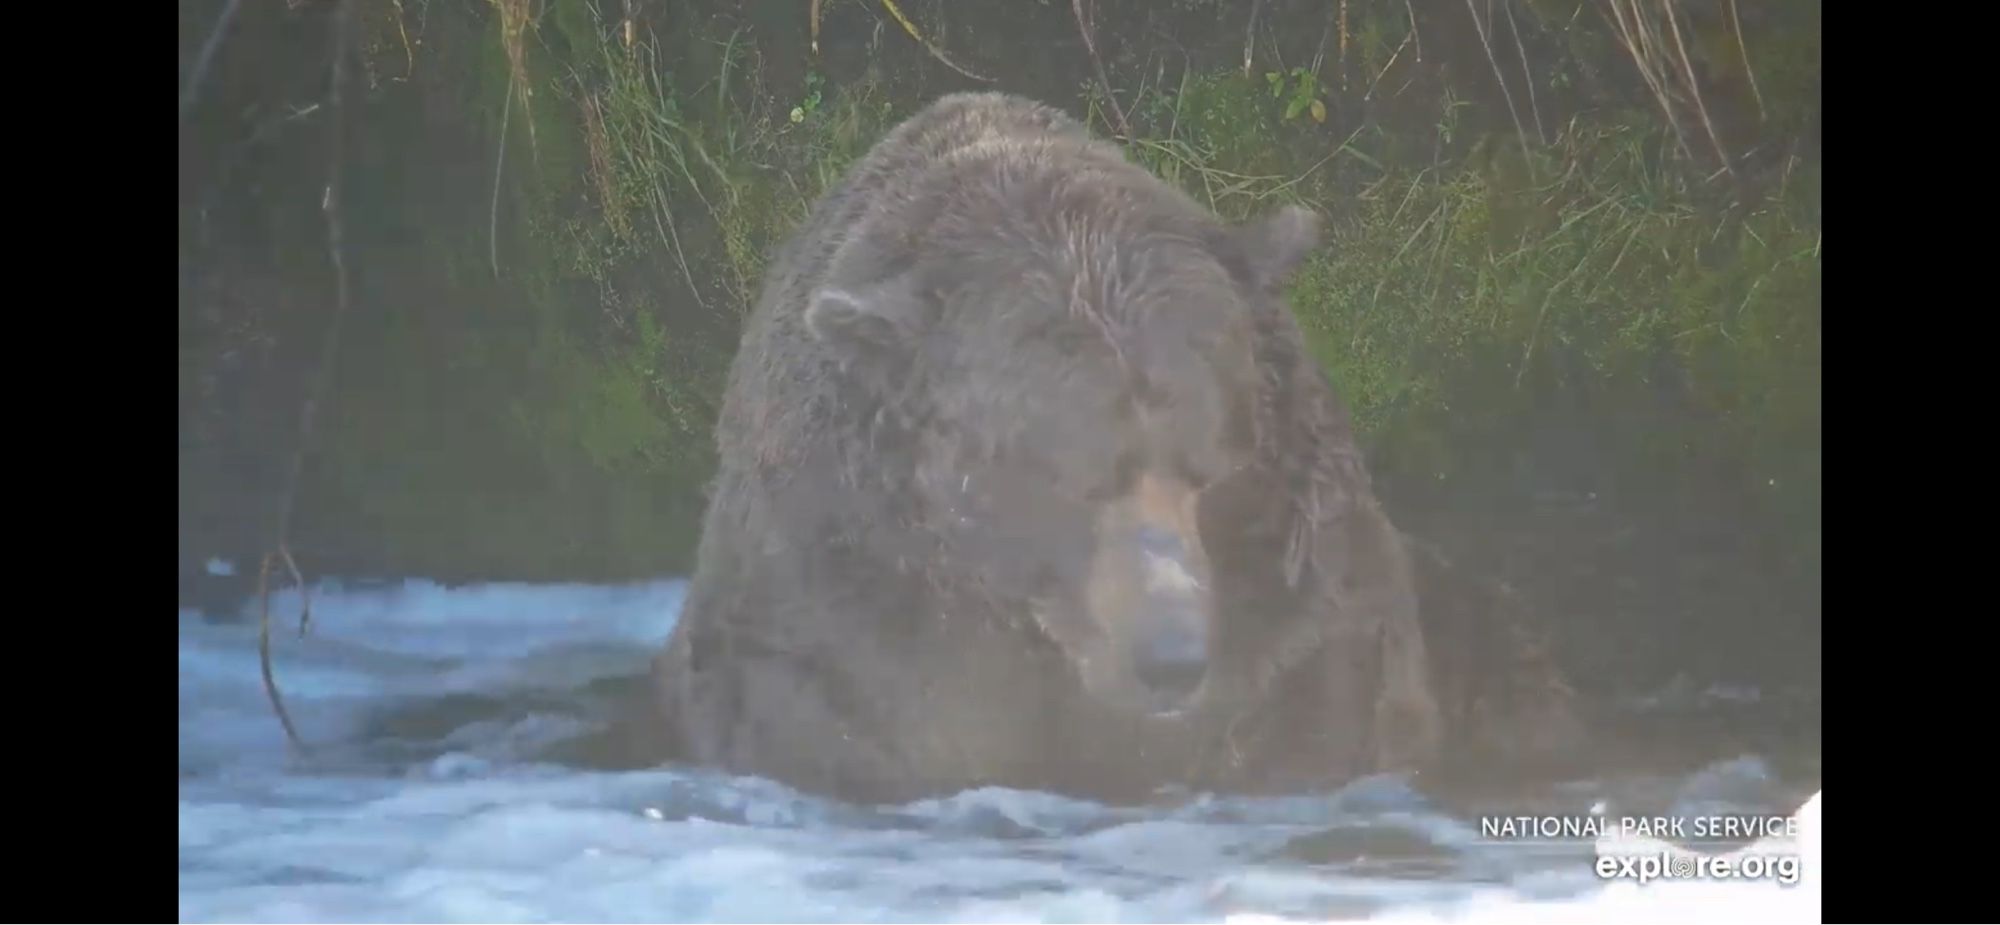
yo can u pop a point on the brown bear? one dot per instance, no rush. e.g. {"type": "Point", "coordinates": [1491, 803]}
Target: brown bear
{"type": "Point", "coordinates": [1027, 480]}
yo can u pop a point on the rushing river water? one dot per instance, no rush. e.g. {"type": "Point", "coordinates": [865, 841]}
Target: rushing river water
{"type": "Point", "coordinates": [423, 801]}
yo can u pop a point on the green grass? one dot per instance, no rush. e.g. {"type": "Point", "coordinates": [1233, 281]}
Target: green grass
{"type": "Point", "coordinates": [534, 381]}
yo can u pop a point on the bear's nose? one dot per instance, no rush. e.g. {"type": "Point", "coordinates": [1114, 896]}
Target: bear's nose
{"type": "Point", "coordinates": [1169, 634]}
{"type": "Point", "coordinates": [1159, 541]}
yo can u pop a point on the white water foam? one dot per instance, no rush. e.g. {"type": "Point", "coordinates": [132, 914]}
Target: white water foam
{"type": "Point", "coordinates": [425, 800]}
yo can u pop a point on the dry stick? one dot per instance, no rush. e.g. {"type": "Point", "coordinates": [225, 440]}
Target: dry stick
{"type": "Point", "coordinates": [1309, 170]}
{"type": "Point", "coordinates": [1411, 6]}
{"type": "Point", "coordinates": [813, 12]}
{"type": "Point", "coordinates": [1343, 47]}
{"type": "Point", "coordinates": [409, 53]}
{"type": "Point", "coordinates": [207, 56]}
{"type": "Point", "coordinates": [673, 235]}
{"type": "Point", "coordinates": [330, 204]}
{"type": "Point", "coordinates": [1642, 29]}
{"type": "Point", "coordinates": [1319, 50]}
{"type": "Point", "coordinates": [1535, 333]}
{"type": "Point", "coordinates": [935, 51]}
{"type": "Point", "coordinates": [1373, 84]}
{"type": "Point", "coordinates": [1628, 36]}
{"type": "Point", "coordinates": [1694, 88]}
{"type": "Point", "coordinates": [1277, 50]}
{"type": "Point", "coordinates": [1512, 111]}
{"type": "Point", "coordinates": [1090, 46]}
{"type": "Point", "coordinates": [1651, 51]}
{"type": "Point", "coordinates": [499, 167]}
{"type": "Point", "coordinates": [305, 596]}
{"type": "Point", "coordinates": [1748, 74]}
{"type": "Point", "coordinates": [1541, 134]}
{"type": "Point", "coordinates": [234, 156]}
{"type": "Point", "coordinates": [663, 206]}
{"type": "Point", "coordinates": [1249, 34]}
{"type": "Point", "coordinates": [1655, 46]}
{"type": "Point", "coordinates": [264, 648]}
{"type": "Point", "coordinates": [514, 19]}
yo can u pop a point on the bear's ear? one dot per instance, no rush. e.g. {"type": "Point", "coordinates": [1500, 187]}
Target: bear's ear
{"type": "Point", "coordinates": [1264, 252]}
{"type": "Point", "coordinates": [869, 324]}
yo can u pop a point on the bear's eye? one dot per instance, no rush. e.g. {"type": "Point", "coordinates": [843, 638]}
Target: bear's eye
{"type": "Point", "coordinates": [1190, 472]}
{"type": "Point", "coordinates": [1202, 469]}
{"type": "Point", "coordinates": [1148, 392]}
{"type": "Point", "coordinates": [1124, 473]}
{"type": "Point", "coordinates": [1048, 581]}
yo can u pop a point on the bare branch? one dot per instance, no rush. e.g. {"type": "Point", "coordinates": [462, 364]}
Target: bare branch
{"type": "Point", "coordinates": [1513, 112]}
{"type": "Point", "coordinates": [1541, 134]}
{"type": "Point", "coordinates": [264, 651]}
{"type": "Point", "coordinates": [1090, 45]}
{"type": "Point", "coordinates": [207, 55]}
{"type": "Point", "coordinates": [329, 349]}
{"type": "Point", "coordinates": [929, 46]}
{"type": "Point", "coordinates": [1748, 73]}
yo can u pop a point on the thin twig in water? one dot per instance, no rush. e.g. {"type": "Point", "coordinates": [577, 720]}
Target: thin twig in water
{"type": "Point", "coordinates": [1090, 46]}
{"type": "Point", "coordinates": [305, 596]}
{"type": "Point", "coordinates": [207, 55]}
{"type": "Point", "coordinates": [814, 13]}
{"type": "Point", "coordinates": [337, 255]}
{"type": "Point", "coordinates": [329, 349]}
{"type": "Point", "coordinates": [935, 51]}
{"type": "Point", "coordinates": [264, 651]}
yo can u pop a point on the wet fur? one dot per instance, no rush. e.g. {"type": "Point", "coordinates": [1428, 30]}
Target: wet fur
{"type": "Point", "coordinates": [840, 636]}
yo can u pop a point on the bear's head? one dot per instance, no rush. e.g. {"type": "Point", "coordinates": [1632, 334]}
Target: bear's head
{"type": "Point", "coordinates": [1072, 352]}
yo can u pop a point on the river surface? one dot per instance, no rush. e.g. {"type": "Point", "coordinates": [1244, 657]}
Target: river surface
{"type": "Point", "coordinates": [427, 797]}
